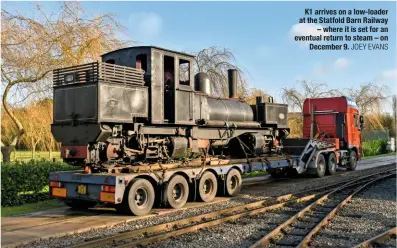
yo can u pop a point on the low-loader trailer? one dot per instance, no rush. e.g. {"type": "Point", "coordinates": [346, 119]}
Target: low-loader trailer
{"type": "Point", "coordinates": [331, 139]}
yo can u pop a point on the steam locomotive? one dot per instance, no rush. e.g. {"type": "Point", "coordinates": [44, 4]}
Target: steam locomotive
{"type": "Point", "coordinates": [142, 104]}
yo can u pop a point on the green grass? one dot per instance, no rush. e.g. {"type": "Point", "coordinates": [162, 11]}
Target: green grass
{"type": "Point", "coordinates": [379, 156]}
{"type": "Point", "coordinates": [31, 207]}
{"type": "Point", "coordinates": [254, 174]}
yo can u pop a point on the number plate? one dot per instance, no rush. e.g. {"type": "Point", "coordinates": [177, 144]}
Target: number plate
{"type": "Point", "coordinates": [82, 189]}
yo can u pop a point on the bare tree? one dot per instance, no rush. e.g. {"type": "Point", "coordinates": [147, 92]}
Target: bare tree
{"type": "Point", "coordinates": [33, 46]}
{"type": "Point", "coordinates": [369, 97]}
{"type": "Point", "coordinates": [215, 62]}
{"type": "Point", "coordinates": [253, 93]}
{"type": "Point", "coordinates": [295, 97]}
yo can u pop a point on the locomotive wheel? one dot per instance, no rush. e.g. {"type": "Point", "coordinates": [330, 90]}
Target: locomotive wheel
{"type": "Point", "coordinates": [208, 186]}
{"type": "Point", "coordinates": [351, 166]}
{"type": "Point", "coordinates": [138, 198]}
{"type": "Point", "coordinates": [80, 204]}
{"type": "Point", "coordinates": [331, 164]}
{"type": "Point", "coordinates": [233, 182]}
{"type": "Point", "coordinates": [321, 165]}
{"type": "Point", "coordinates": [177, 191]}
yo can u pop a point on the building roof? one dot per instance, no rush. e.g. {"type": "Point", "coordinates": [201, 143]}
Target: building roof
{"type": "Point", "coordinates": [155, 47]}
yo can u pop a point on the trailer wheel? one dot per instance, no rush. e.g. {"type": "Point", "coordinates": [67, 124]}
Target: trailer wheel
{"type": "Point", "coordinates": [208, 186]}
{"type": "Point", "coordinates": [331, 164]}
{"type": "Point", "coordinates": [321, 166]}
{"type": "Point", "coordinates": [351, 166]}
{"type": "Point", "coordinates": [177, 191]}
{"type": "Point", "coordinates": [80, 204]}
{"type": "Point", "coordinates": [140, 197]}
{"type": "Point", "coordinates": [233, 182]}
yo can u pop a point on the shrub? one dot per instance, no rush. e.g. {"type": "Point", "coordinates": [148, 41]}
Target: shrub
{"type": "Point", "coordinates": [27, 182]}
{"type": "Point", "coordinates": [374, 147]}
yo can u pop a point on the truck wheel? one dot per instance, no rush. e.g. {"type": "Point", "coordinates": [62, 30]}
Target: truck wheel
{"type": "Point", "coordinates": [351, 166]}
{"type": "Point", "coordinates": [140, 197]}
{"type": "Point", "coordinates": [233, 182]}
{"type": "Point", "coordinates": [331, 164]}
{"type": "Point", "coordinates": [80, 204]}
{"type": "Point", "coordinates": [321, 166]}
{"type": "Point", "coordinates": [208, 186]}
{"type": "Point", "coordinates": [177, 191]}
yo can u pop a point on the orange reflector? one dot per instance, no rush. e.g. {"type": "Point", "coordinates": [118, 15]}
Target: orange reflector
{"type": "Point", "coordinates": [55, 184]}
{"type": "Point", "coordinates": [60, 192]}
{"type": "Point", "coordinates": [108, 188]}
{"type": "Point", "coordinates": [107, 197]}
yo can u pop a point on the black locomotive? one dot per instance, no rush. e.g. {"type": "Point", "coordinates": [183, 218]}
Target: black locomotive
{"type": "Point", "coordinates": [142, 104]}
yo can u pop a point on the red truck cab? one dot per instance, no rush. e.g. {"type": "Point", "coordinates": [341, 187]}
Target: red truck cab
{"type": "Point", "coordinates": [335, 119]}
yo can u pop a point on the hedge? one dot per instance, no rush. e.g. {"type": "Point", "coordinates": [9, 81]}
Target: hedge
{"type": "Point", "coordinates": [374, 147]}
{"type": "Point", "coordinates": [27, 182]}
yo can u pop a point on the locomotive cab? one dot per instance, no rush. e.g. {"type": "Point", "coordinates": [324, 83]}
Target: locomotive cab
{"type": "Point", "coordinates": [168, 75]}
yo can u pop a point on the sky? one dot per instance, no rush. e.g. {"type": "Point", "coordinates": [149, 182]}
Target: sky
{"type": "Point", "coordinates": [260, 34]}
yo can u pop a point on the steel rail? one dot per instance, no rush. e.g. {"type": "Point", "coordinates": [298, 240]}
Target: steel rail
{"type": "Point", "coordinates": [275, 232]}
{"type": "Point", "coordinates": [378, 239]}
{"type": "Point", "coordinates": [206, 220]}
{"type": "Point", "coordinates": [215, 222]}
{"type": "Point", "coordinates": [254, 206]}
{"type": "Point", "coordinates": [305, 242]}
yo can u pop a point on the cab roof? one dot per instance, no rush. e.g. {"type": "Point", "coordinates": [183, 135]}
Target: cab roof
{"type": "Point", "coordinates": [151, 47]}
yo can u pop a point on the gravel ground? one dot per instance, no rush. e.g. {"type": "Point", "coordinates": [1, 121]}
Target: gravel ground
{"type": "Point", "coordinates": [368, 214]}
{"type": "Point", "coordinates": [279, 187]}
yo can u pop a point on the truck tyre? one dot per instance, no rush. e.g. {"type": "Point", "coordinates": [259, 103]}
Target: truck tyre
{"type": "Point", "coordinates": [139, 197]}
{"type": "Point", "coordinates": [351, 166]}
{"type": "Point", "coordinates": [80, 204]}
{"type": "Point", "coordinates": [331, 164]}
{"type": "Point", "coordinates": [321, 165]}
{"type": "Point", "coordinates": [177, 191]}
{"type": "Point", "coordinates": [208, 186]}
{"type": "Point", "coordinates": [233, 182]}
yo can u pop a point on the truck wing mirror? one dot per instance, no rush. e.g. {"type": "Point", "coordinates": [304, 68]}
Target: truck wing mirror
{"type": "Point", "coordinates": [361, 119]}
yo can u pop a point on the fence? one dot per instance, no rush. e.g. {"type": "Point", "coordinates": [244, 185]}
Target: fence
{"type": "Point", "coordinates": [27, 156]}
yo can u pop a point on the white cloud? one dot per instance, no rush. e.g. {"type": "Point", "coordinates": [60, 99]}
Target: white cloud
{"type": "Point", "coordinates": [341, 63]}
{"type": "Point", "coordinates": [389, 74]}
{"type": "Point", "coordinates": [337, 65]}
{"type": "Point", "coordinates": [145, 25]}
{"type": "Point", "coordinates": [306, 29]}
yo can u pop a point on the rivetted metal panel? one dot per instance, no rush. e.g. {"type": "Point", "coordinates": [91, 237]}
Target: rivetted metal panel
{"type": "Point", "coordinates": [78, 103]}
{"type": "Point", "coordinates": [183, 106]}
{"type": "Point", "coordinates": [229, 110]}
{"type": "Point", "coordinates": [121, 104]}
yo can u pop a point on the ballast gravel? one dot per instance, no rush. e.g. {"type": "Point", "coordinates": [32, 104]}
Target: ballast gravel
{"type": "Point", "coordinates": [260, 192]}
{"type": "Point", "coordinates": [370, 213]}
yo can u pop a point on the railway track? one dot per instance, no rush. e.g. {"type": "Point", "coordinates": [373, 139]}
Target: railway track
{"type": "Point", "coordinates": [299, 230]}
{"type": "Point", "coordinates": [383, 240]}
{"type": "Point", "coordinates": [160, 232]}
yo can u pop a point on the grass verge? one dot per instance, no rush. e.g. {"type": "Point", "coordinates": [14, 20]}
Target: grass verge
{"type": "Point", "coordinates": [31, 207]}
{"type": "Point", "coordinates": [254, 174]}
{"type": "Point", "coordinates": [379, 156]}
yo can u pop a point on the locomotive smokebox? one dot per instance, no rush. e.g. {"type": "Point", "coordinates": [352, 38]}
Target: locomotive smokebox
{"type": "Point", "coordinates": [232, 76]}
{"type": "Point", "coordinates": [202, 83]}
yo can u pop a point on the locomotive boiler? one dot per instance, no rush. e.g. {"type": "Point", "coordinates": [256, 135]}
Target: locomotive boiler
{"type": "Point", "coordinates": [143, 104]}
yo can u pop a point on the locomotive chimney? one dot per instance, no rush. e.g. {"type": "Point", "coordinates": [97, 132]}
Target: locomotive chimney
{"type": "Point", "coordinates": [232, 76]}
